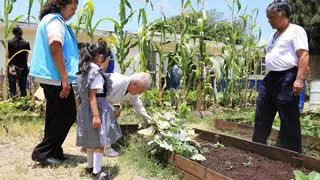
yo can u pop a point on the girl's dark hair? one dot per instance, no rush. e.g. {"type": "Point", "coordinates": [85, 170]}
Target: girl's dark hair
{"type": "Point", "coordinates": [281, 5]}
{"type": "Point", "coordinates": [54, 6]}
{"type": "Point", "coordinates": [88, 53]}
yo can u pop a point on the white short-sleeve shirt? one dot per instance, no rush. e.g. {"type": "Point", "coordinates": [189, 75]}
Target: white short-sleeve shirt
{"type": "Point", "coordinates": [55, 31]}
{"type": "Point", "coordinates": [282, 52]}
{"type": "Point", "coordinates": [98, 81]}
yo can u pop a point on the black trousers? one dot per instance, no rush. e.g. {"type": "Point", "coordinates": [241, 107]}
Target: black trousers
{"type": "Point", "coordinates": [60, 115]}
{"type": "Point", "coordinates": [22, 80]}
{"type": "Point", "coordinates": [276, 95]}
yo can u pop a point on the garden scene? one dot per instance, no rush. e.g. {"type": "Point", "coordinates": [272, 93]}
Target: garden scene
{"type": "Point", "coordinates": [195, 95]}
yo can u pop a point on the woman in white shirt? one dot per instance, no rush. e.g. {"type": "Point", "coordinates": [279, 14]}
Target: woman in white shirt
{"type": "Point", "coordinates": [287, 61]}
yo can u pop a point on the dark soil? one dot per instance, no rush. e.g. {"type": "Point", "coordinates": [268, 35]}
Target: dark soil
{"type": "Point", "coordinates": [243, 165]}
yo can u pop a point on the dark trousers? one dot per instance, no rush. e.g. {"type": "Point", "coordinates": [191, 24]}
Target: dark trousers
{"type": "Point", "coordinates": [60, 115]}
{"type": "Point", "coordinates": [276, 95]}
{"type": "Point", "coordinates": [22, 80]}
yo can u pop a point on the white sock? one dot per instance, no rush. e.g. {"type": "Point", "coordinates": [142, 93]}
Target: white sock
{"type": "Point", "coordinates": [90, 157]}
{"type": "Point", "coordinates": [97, 162]}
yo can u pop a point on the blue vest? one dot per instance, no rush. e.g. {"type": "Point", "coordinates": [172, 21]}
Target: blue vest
{"type": "Point", "coordinates": [42, 64]}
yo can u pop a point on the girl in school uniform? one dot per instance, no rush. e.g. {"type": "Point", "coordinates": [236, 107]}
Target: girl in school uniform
{"type": "Point", "coordinates": [94, 112]}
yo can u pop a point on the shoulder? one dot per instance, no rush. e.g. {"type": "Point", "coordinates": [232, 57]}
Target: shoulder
{"type": "Point", "coordinates": [297, 28]}
{"type": "Point", "coordinates": [24, 42]}
{"type": "Point", "coordinates": [11, 41]}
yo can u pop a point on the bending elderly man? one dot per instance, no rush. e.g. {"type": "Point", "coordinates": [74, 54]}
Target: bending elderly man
{"type": "Point", "coordinates": [127, 89]}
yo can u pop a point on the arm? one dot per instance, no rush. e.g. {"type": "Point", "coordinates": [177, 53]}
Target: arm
{"type": "Point", "coordinates": [96, 122]}
{"type": "Point", "coordinates": [137, 104]}
{"type": "Point", "coordinates": [78, 101]}
{"type": "Point", "coordinates": [105, 65]}
{"type": "Point", "coordinates": [303, 67]}
{"type": "Point", "coordinates": [57, 56]}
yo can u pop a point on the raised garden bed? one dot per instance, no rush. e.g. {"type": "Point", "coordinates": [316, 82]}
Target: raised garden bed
{"type": "Point", "coordinates": [240, 159]}
{"type": "Point", "coordinates": [307, 141]}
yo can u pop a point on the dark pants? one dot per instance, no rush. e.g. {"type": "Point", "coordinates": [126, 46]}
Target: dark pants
{"type": "Point", "coordinates": [60, 115]}
{"type": "Point", "coordinates": [276, 95]}
{"type": "Point", "coordinates": [22, 80]}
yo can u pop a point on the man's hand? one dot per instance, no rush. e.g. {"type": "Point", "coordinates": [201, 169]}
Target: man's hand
{"type": "Point", "coordinates": [116, 113]}
{"type": "Point", "coordinates": [297, 87]}
{"type": "Point", "coordinates": [96, 122]}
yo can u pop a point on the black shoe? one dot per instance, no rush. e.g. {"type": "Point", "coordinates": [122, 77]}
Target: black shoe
{"type": "Point", "coordinates": [88, 170]}
{"type": "Point", "coordinates": [102, 175]}
{"type": "Point", "coordinates": [51, 161]}
{"type": "Point", "coordinates": [62, 158]}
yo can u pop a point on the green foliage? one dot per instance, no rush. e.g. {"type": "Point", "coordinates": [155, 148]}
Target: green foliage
{"type": "Point", "coordinates": [299, 175]}
{"type": "Point", "coordinates": [310, 125]}
{"type": "Point", "coordinates": [307, 14]}
{"type": "Point", "coordinates": [171, 133]}
{"type": "Point", "coordinates": [183, 110]}
{"type": "Point", "coordinates": [22, 107]}
{"type": "Point", "coordinates": [151, 98]}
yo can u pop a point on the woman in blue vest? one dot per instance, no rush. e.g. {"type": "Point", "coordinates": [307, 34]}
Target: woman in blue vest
{"type": "Point", "coordinates": [54, 65]}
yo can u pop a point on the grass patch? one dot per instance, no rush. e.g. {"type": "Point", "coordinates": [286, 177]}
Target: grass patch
{"type": "Point", "coordinates": [137, 154]}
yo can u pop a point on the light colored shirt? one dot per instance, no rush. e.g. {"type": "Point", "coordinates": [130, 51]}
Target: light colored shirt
{"type": "Point", "coordinates": [282, 51]}
{"type": "Point", "coordinates": [55, 31]}
{"type": "Point", "coordinates": [98, 81]}
{"type": "Point", "coordinates": [119, 94]}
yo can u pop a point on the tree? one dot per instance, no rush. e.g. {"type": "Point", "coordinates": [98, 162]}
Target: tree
{"type": "Point", "coordinates": [306, 13]}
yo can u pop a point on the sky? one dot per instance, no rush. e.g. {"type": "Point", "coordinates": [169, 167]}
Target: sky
{"type": "Point", "coordinates": [109, 8]}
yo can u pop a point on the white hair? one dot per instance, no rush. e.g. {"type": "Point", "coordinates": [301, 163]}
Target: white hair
{"type": "Point", "coordinates": [141, 79]}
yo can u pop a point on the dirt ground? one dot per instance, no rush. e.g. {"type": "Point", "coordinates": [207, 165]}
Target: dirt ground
{"type": "Point", "coordinates": [16, 163]}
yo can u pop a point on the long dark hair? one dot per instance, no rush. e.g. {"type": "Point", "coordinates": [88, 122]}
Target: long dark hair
{"type": "Point", "coordinates": [88, 53]}
{"type": "Point", "coordinates": [54, 6]}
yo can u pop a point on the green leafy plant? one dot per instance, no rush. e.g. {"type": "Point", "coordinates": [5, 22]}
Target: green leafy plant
{"type": "Point", "coordinates": [299, 175]}
{"type": "Point", "coordinates": [170, 133]}
{"type": "Point", "coordinates": [310, 125]}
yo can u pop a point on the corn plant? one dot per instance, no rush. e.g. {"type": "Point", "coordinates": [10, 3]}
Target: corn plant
{"type": "Point", "coordinates": [84, 20]}
{"type": "Point", "coordinates": [30, 5]}
{"type": "Point", "coordinates": [239, 57]}
{"type": "Point", "coordinates": [185, 53]}
{"type": "Point", "coordinates": [124, 41]}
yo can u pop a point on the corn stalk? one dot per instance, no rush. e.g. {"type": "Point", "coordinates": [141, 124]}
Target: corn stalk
{"type": "Point", "coordinates": [239, 58]}
{"type": "Point", "coordinates": [124, 41]}
{"type": "Point", "coordinates": [84, 20]}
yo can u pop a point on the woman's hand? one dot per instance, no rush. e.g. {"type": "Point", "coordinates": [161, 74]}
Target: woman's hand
{"type": "Point", "coordinates": [96, 122]}
{"type": "Point", "coordinates": [65, 88]}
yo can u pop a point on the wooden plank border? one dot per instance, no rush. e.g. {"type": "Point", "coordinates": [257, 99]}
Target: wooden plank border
{"type": "Point", "coordinates": [307, 141]}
